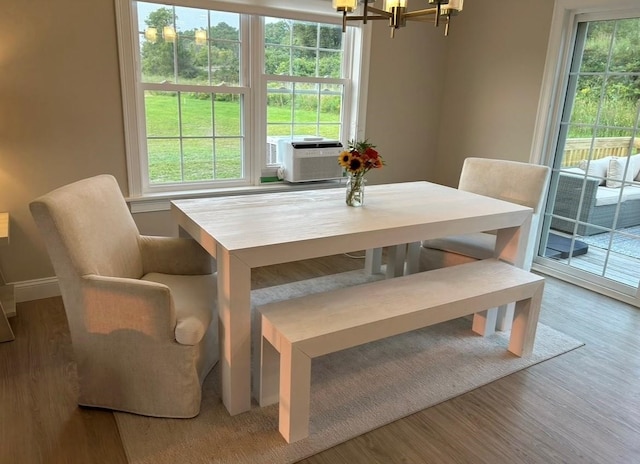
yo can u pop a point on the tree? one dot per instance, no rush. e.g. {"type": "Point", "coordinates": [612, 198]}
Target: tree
{"type": "Point", "coordinates": [158, 59]}
{"type": "Point", "coordinates": [622, 37]}
{"type": "Point", "coordinates": [278, 32]}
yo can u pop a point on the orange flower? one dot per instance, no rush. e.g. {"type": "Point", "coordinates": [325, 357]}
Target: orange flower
{"type": "Point", "coordinates": [360, 158]}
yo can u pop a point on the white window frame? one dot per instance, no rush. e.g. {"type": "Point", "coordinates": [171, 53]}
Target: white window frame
{"type": "Point", "coordinates": [254, 114]}
{"type": "Point", "coordinates": [559, 52]}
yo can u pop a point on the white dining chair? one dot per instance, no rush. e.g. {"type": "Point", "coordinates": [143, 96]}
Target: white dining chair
{"type": "Point", "coordinates": [513, 181]}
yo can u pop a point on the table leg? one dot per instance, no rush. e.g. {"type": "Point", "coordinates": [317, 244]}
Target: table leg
{"type": "Point", "coordinates": [373, 261]}
{"type": "Point", "coordinates": [234, 309]}
{"type": "Point", "coordinates": [413, 257]}
{"type": "Point", "coordinates": [511, 247]}
{"type": "Point", "coordinates": [395, 260]}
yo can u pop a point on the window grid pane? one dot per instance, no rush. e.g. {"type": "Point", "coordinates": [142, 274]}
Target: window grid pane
{"type": "Point", "coordinates": [297, 48]}
{"type": "Point", "coordinates": [181, 145]}
{"type": "Point", "coordinates": [301, 103]}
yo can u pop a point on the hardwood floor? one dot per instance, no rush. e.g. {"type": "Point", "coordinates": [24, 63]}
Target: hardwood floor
{"type": "Point", "coordinates": [581, 407]}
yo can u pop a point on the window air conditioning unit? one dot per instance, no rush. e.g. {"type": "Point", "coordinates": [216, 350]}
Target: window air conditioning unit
{"type": "Point", "coordinates": [310, 160]}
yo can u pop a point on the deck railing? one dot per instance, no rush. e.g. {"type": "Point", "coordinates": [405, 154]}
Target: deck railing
{"type": "Point", "coordinates": [576, 150]}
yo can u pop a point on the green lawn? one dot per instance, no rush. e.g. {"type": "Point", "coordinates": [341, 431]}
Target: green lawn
{"type": "Point", "coordinates": [200, 156]}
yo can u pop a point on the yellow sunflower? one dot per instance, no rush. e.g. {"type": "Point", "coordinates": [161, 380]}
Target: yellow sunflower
{"type": "Point", "coordinates": [345, 159]}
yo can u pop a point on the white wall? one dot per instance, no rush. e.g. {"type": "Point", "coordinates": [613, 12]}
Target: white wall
{"type": "Point", "coordinates": [494, 69]}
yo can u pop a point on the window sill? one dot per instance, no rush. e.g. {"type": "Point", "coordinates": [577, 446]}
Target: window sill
{"type": "Point", "coordinates": [162, 201]}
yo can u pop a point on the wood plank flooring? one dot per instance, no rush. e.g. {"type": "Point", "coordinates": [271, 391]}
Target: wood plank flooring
{"type": "Point", "coordinates": [581, 407]}
{"type": "Point", "coordinates": [614, 266]}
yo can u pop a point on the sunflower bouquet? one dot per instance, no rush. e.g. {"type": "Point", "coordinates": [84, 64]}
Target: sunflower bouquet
{"type": "Point", "coordinates": [360, 158]}
{"type": "Point", "coordinates": [357, 160]}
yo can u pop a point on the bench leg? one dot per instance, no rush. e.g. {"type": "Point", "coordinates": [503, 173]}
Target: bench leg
{"type": "Point", "coordinates": [525, 323]}
{"type": "Point", "coordinates": [295, 389]}
{"type": "Point", "coordinates": [268, 388]}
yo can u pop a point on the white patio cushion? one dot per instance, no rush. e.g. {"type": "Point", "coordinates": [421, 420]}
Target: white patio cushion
{"type": "Point", "coordinates": [607, 196]}
{"type": "Point", "coordinates": [631, 192]}
{"type": "Point", "coordinates": [596, 168]}
{"type": "Point", "coordinates": [617, 167]}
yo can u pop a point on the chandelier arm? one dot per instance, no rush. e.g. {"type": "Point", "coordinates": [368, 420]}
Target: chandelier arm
{"type": "Point", "coordinates": [421, 19]}
{"type": "Point", "coordinates": [361, 18]}
{"type": "Point", "coordinates": [384, 13]}
{"type": "Point", "coordinates": [420, 13]}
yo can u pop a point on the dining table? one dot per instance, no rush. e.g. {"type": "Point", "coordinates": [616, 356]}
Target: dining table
{"type": "Point", "coordinates": [247, 231]}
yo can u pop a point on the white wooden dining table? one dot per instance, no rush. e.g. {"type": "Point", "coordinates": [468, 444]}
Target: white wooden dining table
{"type": "Point", "coordinates": [248, 231]}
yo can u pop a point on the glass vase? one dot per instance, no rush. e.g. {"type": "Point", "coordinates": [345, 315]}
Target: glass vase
{"type": "Point", "coordinates": [355, 190]}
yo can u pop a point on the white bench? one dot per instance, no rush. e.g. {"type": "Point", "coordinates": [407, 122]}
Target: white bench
{"type": "Point", "coordinates": [298, 330]}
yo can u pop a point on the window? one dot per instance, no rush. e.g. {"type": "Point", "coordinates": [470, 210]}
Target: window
{"type": "Point", "coordinates": [303, 75]}
{"type": "Point", "coordinates": [205, 90]}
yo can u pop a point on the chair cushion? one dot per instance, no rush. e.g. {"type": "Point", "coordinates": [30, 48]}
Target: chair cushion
{"type": "Point", "coordinates": [194, 299]}
{"type": "Point", "coordinates": [607, 196]}
{"type": "Point", "coordinates": [631, 192]}
{"type": "Point", "coordinates": [596, 168]}
{"type": "Point", "coordinates": [478, 246]}
{"type": "Point", "coordinates": [89, 230]}
{"type": "Point", "coordinates": [616, 170]}
{"type": "Point", "coordinates": [513, 181]}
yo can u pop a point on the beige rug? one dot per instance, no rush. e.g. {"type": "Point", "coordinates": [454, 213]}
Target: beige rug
{"type": "Point", "coordinates": [352, 392]}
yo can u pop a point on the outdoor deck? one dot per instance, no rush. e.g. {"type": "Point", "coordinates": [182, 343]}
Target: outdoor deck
{"type": "Point", "coordinates": [619, 268]}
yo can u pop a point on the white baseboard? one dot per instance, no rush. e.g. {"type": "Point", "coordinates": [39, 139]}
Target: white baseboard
{"type": "Point", "coordinates": [36, 289]}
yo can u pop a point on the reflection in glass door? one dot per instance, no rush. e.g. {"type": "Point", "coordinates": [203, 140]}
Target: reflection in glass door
{"type": "Point", "coordinates": [592, 221]}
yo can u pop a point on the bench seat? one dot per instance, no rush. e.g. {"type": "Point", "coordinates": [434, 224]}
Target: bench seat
{"type": "Point", "coordinates": [298, 330]}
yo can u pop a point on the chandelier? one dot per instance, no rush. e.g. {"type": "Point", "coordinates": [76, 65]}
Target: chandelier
{"type": "Point", "coordinates": [396, 12]}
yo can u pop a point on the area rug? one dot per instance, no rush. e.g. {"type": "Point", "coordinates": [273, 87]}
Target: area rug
{"type": "Point", "coordinates": [353, 391]}
{"type": "Point", "coordinates": [628, 245]}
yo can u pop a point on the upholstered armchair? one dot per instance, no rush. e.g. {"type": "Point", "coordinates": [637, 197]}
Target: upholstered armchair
{"type": "Point", "coordinates": [141, 309]}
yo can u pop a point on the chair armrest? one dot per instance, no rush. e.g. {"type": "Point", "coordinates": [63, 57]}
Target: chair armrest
{"type": "Point", "coordinates": [114, 303]}
{"type": "Point", "coordinates": [170, 255]}
{"type": "Point", "coordinates": [568, 196]}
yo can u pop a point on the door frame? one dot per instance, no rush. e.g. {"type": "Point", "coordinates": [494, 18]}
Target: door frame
{"type": "Point", "coordinates": [560, 49]}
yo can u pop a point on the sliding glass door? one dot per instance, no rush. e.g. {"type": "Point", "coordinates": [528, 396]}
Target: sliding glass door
{"type": "Point", "coordinates": [591, 226]}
